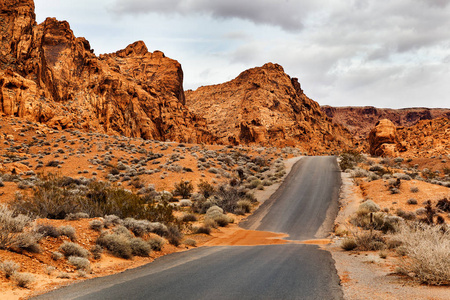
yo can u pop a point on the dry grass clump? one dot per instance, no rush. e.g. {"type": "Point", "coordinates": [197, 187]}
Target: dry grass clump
{"type": "Point", "coordinates": [8, 268]}
{"type": "Point", "coordinates": [23, 279]}
{"type": "Point", "coordinates": [11, 227]}
{"type": "Point", "coordinates": [428, 252]}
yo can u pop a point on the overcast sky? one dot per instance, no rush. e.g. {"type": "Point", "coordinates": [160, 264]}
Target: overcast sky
{"type": "Point", "coordinates": [345, 53]}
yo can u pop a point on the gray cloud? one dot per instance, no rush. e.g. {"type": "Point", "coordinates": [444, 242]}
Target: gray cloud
{"type": "Point", "coordinates": [287, 14]}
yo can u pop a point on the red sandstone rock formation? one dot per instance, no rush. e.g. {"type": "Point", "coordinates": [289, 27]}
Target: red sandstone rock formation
{"type": "Point", "coordinates": [50, 76]}
{"type": "Point", "coordinates": [384, 141]}
{"type": "Point", "coordinates": [360, 120]}
{"type": "Point", "coordinates": [265, 106]}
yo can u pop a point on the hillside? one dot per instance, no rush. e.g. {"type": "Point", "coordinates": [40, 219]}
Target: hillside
{"type": "Point", "coordinates": [50, 76]}
{"type": "Point", "coordinates": [265, 106]}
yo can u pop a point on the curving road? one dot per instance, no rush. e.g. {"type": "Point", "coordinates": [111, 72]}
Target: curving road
{"type": "Point", "coordinates": [304, 207]}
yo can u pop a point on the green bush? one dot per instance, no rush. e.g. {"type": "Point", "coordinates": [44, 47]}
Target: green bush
{"type": "Point", "coordinates": [206, 189]}
{"type": "Point", "coordinates": [349, 159]}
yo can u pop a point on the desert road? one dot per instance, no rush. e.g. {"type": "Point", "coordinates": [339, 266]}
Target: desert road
{"type": "Point", "coordinates": [304, 207]}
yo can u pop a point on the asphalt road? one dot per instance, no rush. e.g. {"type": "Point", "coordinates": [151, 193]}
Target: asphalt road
{"type": "Point", "coordinates": [302, 207]}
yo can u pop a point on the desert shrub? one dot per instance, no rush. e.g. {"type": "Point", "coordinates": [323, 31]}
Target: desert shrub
{"type": "Point", "coordinates": [254, 183]}
{"type": "Point", "coordinates": [11, 226]}
{"type": "Point", "coordinates": [174, 235]}
{"type": "Point", "coordinates": [96, 251]}
{"type": "Point", "coordinates": [185, 203]}
{"type": "Point", "coordinates": [370, 206]}
{"type": "Point", "coordinates": [358, 173]}
{"type": "Point", "coordinates": [221, 220]}
{"type": "Point", "coordinates": [80, 263]}
{"type": "Point", "coordinates": [63, 275]}
{"type": "Point", "coordinates": [96, 225]}
{"type": "Point", "coordinates": [412, 201]}
{"type": "Point", "coordinates": [369, 240]}
{"type": "Point", "coordinates": [28, 241]}
{"type": "Point", "coordinates": [206, 189]}
{"type": "Point", "coordinates": [244, 205]}
{"type": "Point", "coordinates": [117, 244]}
{"type": "Point", "coordinates": [68, 231]}
{"type": "Point", "coordinates": [190, 242]}
{"type": "Point", "coordinates": [53, 198]}
{"type": "Point", "coordinates": [56, 255]}
{"type": "Point", "coordinates": [156, 243]}
{"type": "Point", "coordinates": [111, 220]}
{"type": "Point", "coordinates": [348, 244]}
{"type": "Point", "coordinates": [139, 247]}
{"type": "Point", "coordinates": [76, 216]}
{"type": "Point", "coordinates": [188, 218]}
{"type": "Point", "coordinates": [394, 185]}
{"type": "Point", "coordinates": [48, 230]}
{"type": "Point", "coordinates": [349, 159]}
{"type": "Point", "coordinates": [9, 267]}
{"type": "Point", "coordinates": [23, 279]}
{"type": "Point", "coordinates": [213, 210]}
{"type": "Point", "coordinates": [428, 251]}
{"type": "Point", "coordinates": [72, 249]}
{"type": "Point", "coordinates": [203, 229]}
{"type": "Point", "coordinates": [183, 188]}
{"type": "Point", "coordinates": [443, 204]}
{"type": "Point", "coordinates": [401, 176]}
{"type": "Point", "coordinates": [405, 214]}
{"type": "Point", "coordinates": [414, 189]}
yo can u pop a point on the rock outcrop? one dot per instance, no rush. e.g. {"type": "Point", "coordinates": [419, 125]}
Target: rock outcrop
{"type": "Point", "coordinates": [427, 138]}
{"type": "Point", "coordinates": [384, 140]}
{"type": "Point", "coordinates": [360, 120]}
{"type": "Point", "coordinates": [50, 76]}
{"type": "Point", "coordinates": [265, 106]}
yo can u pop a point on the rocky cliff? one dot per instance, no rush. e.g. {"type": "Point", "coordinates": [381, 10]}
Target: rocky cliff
{"type": "Point", "coordinates": [265, 106]}
{"type": "Point", "coordinates": [360, 120]}
{"type": "Point", "coordinates": [50, 76]}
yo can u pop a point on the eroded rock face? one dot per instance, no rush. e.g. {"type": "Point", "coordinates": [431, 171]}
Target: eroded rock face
{"type": "Point", "coordinates": [265, 106]}
{"type": "Point", "coordinates": [384, 140]}
{"type": "Point", "coordinates": [360, 120]}
{"type": "Point", "coordinates": [50, 76]}
{"type": "Point", "coordinates": [427, 138]}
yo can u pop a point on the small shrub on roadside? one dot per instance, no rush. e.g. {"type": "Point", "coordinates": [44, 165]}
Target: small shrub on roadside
{"type": "Point", "coordinates": [9, 267]}
{"type": "Point", "coordinates": [190, 242]}
{"type": "Point", "coordinates": [203, 229]}
{"type": "Point", "coordinates": [117, 244]}
{"type": "Point", "coordinates": [72, 249]}
{"type": "Point", "coordinates": [139, 247]}
{"type": "Point", "coordinates": [80, 263]}
{"type": "Point", "coordinates": [156, 243]}
{"type": "Point", "coordinates": [174, 235]}
{"type": "Point", "coordinates": [348, 244]}
{"type": "Point", "coordinates": [23, 279]}
{"type": "Point", "coordinates": [96, 251]}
